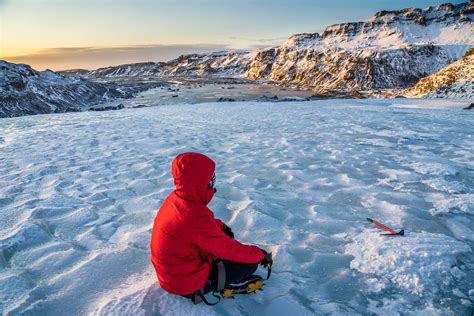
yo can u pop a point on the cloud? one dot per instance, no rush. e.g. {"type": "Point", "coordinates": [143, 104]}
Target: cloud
{"type": "Point", "coordinates": [95, 57]}
{"type": "Point", "coordinates": [259, 42]}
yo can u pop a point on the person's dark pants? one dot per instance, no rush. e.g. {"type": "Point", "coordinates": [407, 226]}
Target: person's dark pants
{"type": "Point", "coordinates": [235, 272]}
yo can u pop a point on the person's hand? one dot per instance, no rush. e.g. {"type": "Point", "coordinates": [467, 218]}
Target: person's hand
{"type": "Point", "coordinates": [228, 231]}
{"type": "Point", "coordinates": [267, 259]}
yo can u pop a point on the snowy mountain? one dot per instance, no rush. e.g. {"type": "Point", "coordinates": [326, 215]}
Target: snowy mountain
{"type": "Point", "coordinates": [224, 64]}
{"type": "Point", "coordinates": [453, 81]}
{"type": "Point", "coordinates": [392, 50]}
{"type": "Point", "coordinates": [25, 91]}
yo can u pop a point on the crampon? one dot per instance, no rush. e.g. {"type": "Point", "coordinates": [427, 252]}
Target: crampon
{"type": "Point", "coordinates": [252, 284]}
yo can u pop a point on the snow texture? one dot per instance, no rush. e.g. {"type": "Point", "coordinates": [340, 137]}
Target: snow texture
{"type": "Point", "coordinates": [397, 261]}
{"type": "Point", "coordinates": [79, 192]}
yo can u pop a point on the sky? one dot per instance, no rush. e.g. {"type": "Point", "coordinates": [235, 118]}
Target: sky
{"type": "Point", "coordinates": [70, 34]}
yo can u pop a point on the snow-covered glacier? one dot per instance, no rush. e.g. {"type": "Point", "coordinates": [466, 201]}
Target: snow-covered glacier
{"type": "Point", "coordinates": [79, 191]}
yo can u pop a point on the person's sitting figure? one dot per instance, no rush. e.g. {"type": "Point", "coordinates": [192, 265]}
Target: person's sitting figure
{"type": "Point", "coordinates": [192, 252]}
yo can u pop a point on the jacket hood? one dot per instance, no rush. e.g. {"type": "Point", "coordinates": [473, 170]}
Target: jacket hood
{"type": "Point", "coordinates": [192, 173]}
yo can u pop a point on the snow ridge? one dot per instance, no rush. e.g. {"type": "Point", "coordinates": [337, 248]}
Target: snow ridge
{"type": "Point", "coordinates": [224, 64]}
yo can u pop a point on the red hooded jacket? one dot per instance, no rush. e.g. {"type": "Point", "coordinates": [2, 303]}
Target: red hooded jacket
{"type": "Point", "coordinates": [186, 237]}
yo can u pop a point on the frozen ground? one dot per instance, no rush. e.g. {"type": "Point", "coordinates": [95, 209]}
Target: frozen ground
{"type": "Point", "coordinates": [79, 191]}
{"type": "Point", "coordinates": [197, 92]}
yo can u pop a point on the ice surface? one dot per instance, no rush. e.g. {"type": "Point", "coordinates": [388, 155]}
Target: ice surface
{"type": "Point", "coordinates": [411, 263]}
{"type": "Point", "coordinates": [79, 191]}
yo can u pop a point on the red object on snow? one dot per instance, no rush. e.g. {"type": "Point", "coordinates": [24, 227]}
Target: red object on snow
{"type": "Point", "coordinates": [186, 237]}
{"type": "Point", "coordinates": [392, 232]}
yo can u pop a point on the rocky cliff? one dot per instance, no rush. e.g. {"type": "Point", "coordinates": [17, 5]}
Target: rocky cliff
{"type": "Point", "coordinates": [453, 81]}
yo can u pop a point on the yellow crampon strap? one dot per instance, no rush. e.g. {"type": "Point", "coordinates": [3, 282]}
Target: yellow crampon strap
{"type": "Point", "coordinates": [228, 293]}
{"type": "Point", "coordinates": [251, 288]}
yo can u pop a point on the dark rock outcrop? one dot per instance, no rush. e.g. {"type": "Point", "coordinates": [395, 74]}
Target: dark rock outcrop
{"type": "Point", "coordinates": [25, 91]}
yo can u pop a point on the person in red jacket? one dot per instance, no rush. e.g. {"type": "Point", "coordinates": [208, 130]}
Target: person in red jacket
{"type": "Point", "coordinates": [188, 243]}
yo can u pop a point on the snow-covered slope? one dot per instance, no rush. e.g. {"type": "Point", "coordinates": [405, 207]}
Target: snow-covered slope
{"type": "Point", "coordinates": [453, 81]}
{"type": "Point", "coordinates": [441, 25]}
{"type": "Point", "coordinates": [78, 194]}
{"type": "Point", "coordinates": [394, 49]}
{"type": "Point", "coordinates": [227, 64]}
{"type": "Point", "coordinates": [138, 69]}
{"type": "Point", "coordinates": [24, 91]}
